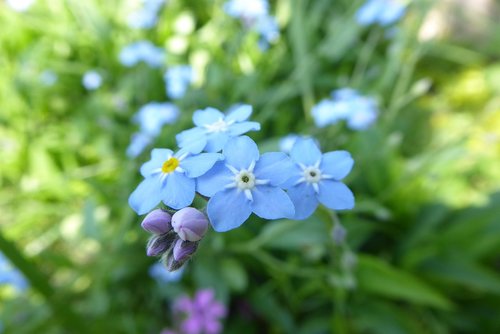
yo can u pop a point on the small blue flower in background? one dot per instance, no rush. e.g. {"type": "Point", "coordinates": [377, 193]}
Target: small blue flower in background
{"type": "Point", "coordinates": [91, 80]}
{"type": "Point", "coordinates": [158, 272]}
{"type": "Point", "coordinates": [147, 16]}
{"type": "Point", "coordinates": [286, 143]}
{"type": "Point", "coordinates": [144, 51]}
{"type": "Point", "coordinates": [20, 5]}
{"type": "Point", "coordinates": [246, 182]}
{"type": "Point", "coordinates": [138, 143]}
{"type": "Point", "coordinates": [249, 11]}
{"type": "Point", "coordinates": [213, 128]}
{"type": "Point", "coordinates": [383, 12]}
{"type": "Point", "coordinates": [268, 29]}
{"type": "Point", "coordinates": [170, 178]}
{"type": "Point", "coordinates": [316, 179]}
{"type": "Point", "coordinates": [48, 78]}
{"type": "Point", "coordinates": [177, 80]}
{"type": "Point", "coordinates": [346, 104]}
{"type": "Point", "coordinates": [9, 275]}
{"type": "Point", "coordinates": [153, 116]}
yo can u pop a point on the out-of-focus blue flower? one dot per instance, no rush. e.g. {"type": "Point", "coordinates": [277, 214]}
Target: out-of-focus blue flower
{"type": "Point", "coordinates": [286, 143]}
{"type": "Point", "coordinates": [177, 80]}
{"type": "Point", "coordinates": [170, 178]}
{"type": "Point", "coordinates": [246, 182]}
{"type": "Point", "coordinates": [268, 29]}
{"type": "Point", "coordinates": [9, 275]}
{"type": "Point", "coordinates": [147, 16]}
{"type": "Point", "coordinates": [91, 80]}
{"type": "Point", "coordinates": [200, 315]}
{"type": "Point", "coordinates": [48, 78]}
{"type": "Point", "coordinates": [316, 179]}
{"type": "Point", "coordinates": [158, 272]}
{"type": "Point", "coordinates": [346, 104]}
{"type": "Point", "coordinates": [383, 12]}
{"type": "Point", "coordinates": [143, 51]}
{"type": "Point", "coordinates": [249, 11]}
{"type": "Point", "coordinates": [20, 5]}
{"type": "Point", "coordinates": [137, 144]}
{"type": "Point", "coordinates": [153, 116]}
{"type": "Point", "coordinates": [213, 128]}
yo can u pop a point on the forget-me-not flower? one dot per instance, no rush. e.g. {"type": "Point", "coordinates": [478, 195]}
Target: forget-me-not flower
{"type": "Point", "coordinates": [9, 275]}
{"type": "Point", "coordinates": [153, 116]}
{"type": "Point", "coordinates": [268, 30]}
{"type": "Point", "coordinates": [144, 51]}
{"type": "Point", "coordinates": [138, 143]}
{"type": "Point", "coordinates": [170, 178]}
{"type": "Point", "coordinates": [177, 80]}
{"type": "Point", "coordinates": [249, 11]}
{"type": "Point", "coordinates": [383, 12]}
{"type": "Point", "coordinates": [48, 78]}
{"type": "Point", "coordinates": [91, 80]}
{"type": "Point", "coordinates": [158, 272]}
{"type": "Point", "coordinates": [213, 128]}
{"type": "Point", "coordinates": [145, 17]}
{"type": "Point", "coordinates": [246, 182]}
{"type": "Point", "coordinates": [316, 179]}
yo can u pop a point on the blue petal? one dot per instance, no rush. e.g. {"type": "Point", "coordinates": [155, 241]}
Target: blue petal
{"type": "Point", "coordinates": [228, 210]}
{"type": "Point", "coordinates": [276, 167]}
{"type": "Point", "coordinates": [305, 151]}
{"type": "Point", "coordinates": [146, 196]}
{"type": "Point", "coordinates": [304, 199]}
{"type": "Point", "coordinates": [335, 195]}
{"type": "Point", "coordinates": [391, 14]}
{"type": "Point", "coordinates": [337, 164]}
{"type": "Point", "coordinates": [178, 191]}
{"type": "Point", "coordinates": [158, 157]}
{"type": "Point", "coordinates": [199, 164]}
{"type": "Point", "coordinates": [241, 128]}
{"type": "Point", "coordinates": [271, 203]}
{"type": "Point", "coordinates": [216, 141]}
{"type": "Point", "coordinates": [214, 180]}
{"type": "Point", "coordinates": [369, 12]}
{"type": "Point", "coordinates": [240, 152]}
{"type": "Point", "coordinates": [239, 113]}
{"type": "Point", "coordinates": [194, 140]}
{"type": "Point", "coordinates": [206, 116]}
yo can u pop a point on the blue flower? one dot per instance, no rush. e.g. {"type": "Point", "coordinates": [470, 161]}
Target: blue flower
{"type": "Point", "coordinates": [316, 179]}
{"type": "Point", "coordinates": [383, 12]}
{"type": "Point", "coordinates": [137, 144]}
{"type": "Point", "coordinates": [178, 79]}
{"type": "Point", "coordinates": [143, 51]}
{"type": "Point", "coordinates": [213, 128]}
{"type": "Point", "coordinates": [286, 143]}
{"type": "Point", "coordinates": [246, 182]}
{"type": "Point", "coordinates": [268, 29]}
{"type": "Point", "coordinates": [91, 80]}
{"type": "Point", "coordinates": [169, 178]}
{"type": "Point", "coordinates": [248, 11]}
{"type": "Point", "coordinates": [162, 275]}
{"type": "Point", "coordinates": [48, 77]}
{"type": "Point", "coordinates": [328, 112]}
{"type": "Point", "coordinates": [147, 16]}
{"type": "Point", "coordinates": [9, 275]}
{"type": "Point", "coordinates": [153, 116]}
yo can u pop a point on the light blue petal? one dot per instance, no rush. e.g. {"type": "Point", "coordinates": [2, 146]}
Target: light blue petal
{"type": "Point", "coordinates": [241, 128]}
{"type": "Point", "coordinates": [178, 191]}
{"type": "Point", "coordinates": [271, 203]}
{"type": "Point", "coordinates": [391, 13]}
{"type": "Point", "coordinates": [239, 113]}
{"type": "Point", "coordinates": [276, 167]}
{"type": "Point", "coordinates": [304, 199]}
{"type": "Point", "coordinates": [240, 152]}
{"type": "Point", "coordinates": [158, 157]}
{"type": "Point", "coordinates": [335, 195]}
{"type": "Point", "coordinates": [305, 151]}
{"type": "Point", "coordinates": [214, 180]}
{"type": "Point", "coordinates": [146, 196]}
{"type": "Point", "coordinates": [216, 141]}
{"type": "Point", "coordinates": [337, 164]}
{"type": "Point", "coordinates": [199, 164]}
{"type": "Point", "coordinates": [207, 116]}
{"type": "Point", "coordinates": [194, 140]}
{"type": "Point", "coordinates": [228, 210]}
{"type": "Point", "coordinates": [369, 12]}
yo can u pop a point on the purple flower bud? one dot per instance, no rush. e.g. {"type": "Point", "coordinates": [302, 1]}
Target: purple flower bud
{"type": "Point", "coordinates": [157, 222]}
{"type": "Point", "coordinates": [190, 224]}
{"type": "Point", "coordinates": [159, 244]}
{"type": "Point", "coordinates": [184, 249]}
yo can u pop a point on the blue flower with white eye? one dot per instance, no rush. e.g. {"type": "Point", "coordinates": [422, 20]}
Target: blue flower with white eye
{"type": "Point", "coordinates": [153, 116]}
{"type": "Point", "coordinates": [213, 128]}
{"type": "Point", "coordinates": [316, 179]}
{"type": "Point", "coordinates": [246, 182]}
{"type": "Point", "coordinates": [177, 80]}
{"type": "Point", "coordinates": [170, 178]}
{"type": "Point", "coordinates": [91, 80]}
{"type": "Point", "coordinates": [144, 51]}
{"type": "Point", "coordinates": [383, 12]}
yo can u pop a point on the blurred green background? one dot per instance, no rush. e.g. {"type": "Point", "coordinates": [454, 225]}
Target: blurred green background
{"type": "Point", "coordinates": [422, 252]}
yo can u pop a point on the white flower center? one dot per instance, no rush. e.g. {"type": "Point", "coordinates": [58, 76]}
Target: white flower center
{"type": "Point", "coordinates": [245, 180]}
{"type": "Point", "coordinates": [312, 174]}
{"type": "Point", "coordinates": [219, 126]}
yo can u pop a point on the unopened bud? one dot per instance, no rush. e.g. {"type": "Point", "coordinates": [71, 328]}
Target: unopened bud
{"type": "Point", "coordinates": [339, 233]}
{"type": "Point", "coordinates": [157, 222]}
{"type": "Point", "coordinates": [190, 224]}
{"type": "Point", "coordinates": [159, 244]}
{"type": "Point", "coordinates": [184, 249]}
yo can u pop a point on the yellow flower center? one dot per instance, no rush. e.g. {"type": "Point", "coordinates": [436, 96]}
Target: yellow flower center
{"type": "Point", "coordinates": [170, 165]}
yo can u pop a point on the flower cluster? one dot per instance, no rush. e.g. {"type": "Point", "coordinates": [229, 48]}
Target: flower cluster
{"type": "Point", "coordinates": [146, 16]}
{"type": "Point", "coordinates": [383, 12]}
{"type": "Point", "coordinates": [177, 80]}
{"type": "Point", "coordinates": [142, 51]}
{"type": "Point", "coordinates": [346, 104]}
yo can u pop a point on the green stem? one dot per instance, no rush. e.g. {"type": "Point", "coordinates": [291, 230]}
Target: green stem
{"type": "Point", "coordinates": [364, 57]}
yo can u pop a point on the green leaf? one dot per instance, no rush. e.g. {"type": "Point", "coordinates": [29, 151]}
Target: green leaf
{"type": "Point", "coordinates": [380, 278]}
{"type": "Point", "coordinates": [234, 274]}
